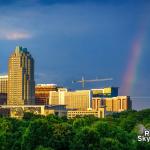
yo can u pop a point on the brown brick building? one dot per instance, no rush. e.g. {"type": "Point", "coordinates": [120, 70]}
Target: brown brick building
{"type": "Point", "coordinates": [42, 92]}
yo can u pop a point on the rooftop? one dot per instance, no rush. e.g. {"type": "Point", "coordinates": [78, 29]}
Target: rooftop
{"type": "Point", "coordinates": [3, 76]}
{"type": "Point", "coordinates": [43, 85]}
{"type": "Point", "coordinates": [19, 49]}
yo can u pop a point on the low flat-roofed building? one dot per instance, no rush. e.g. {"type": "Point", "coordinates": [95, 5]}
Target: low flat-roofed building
{"type": "Point", "coordinates": [59, 110]}
{"type": "Point", "coordinates": [17, 111]}
{"type": "Point", "coordinates": [5, 112]}
{"type": "Point", "coordinates": [3, 89]}
{"type": "Point", "coordinates": [100, 113]}
{"type": "Point", "coordinates": [3, 83]}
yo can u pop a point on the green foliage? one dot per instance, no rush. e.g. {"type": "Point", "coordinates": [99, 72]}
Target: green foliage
{"type": "Point", "coordinates": [62, 136]}
{"type": "Point", "coordinates": [28, 116]}
{"type": "Point", "coordinates": [86, 139]}
{"type": "Point", "coordinates": [54, 119]}
{"type": "Point", "coordinates": [118, 131]}
{"type": "Point", "coordinates": [39, 132]}
{"type": "Point", "coordinates": [110, 144]}
{"type": "Point", "coordinates": [103, 128]}
{"type": "Point", "coordinates": [43, 148]}
{"type": "Point", "coordinates": [83, 121]}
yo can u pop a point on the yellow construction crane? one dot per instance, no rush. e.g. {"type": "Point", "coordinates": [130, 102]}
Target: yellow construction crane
{"type": "Point", "coordinates": [83, 81]}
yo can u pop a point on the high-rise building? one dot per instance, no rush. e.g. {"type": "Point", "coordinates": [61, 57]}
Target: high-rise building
{"type": "Point", "coordinates": [113, 104]}
{"type": "Point", "coordinates": [79, 100]}
{"type": "Point", "coordinates": [3, 89]}
{"type": "Point", "coordinates": [21, 84]}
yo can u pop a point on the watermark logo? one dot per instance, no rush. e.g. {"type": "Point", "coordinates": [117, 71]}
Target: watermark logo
{"type": "Point", "coordinates": [145, 137]}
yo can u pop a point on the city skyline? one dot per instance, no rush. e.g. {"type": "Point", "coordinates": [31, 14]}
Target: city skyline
{"type": "Point", "coordinates": [21, 87]}
{"type": "Point", "coordinates": [85, 38]}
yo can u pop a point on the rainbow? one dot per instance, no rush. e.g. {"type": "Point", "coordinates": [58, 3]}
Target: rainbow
{"type": "Point", "coordinates": [130, 75]}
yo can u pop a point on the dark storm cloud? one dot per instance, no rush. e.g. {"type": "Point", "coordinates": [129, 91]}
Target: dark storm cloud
{"type": "Point", "coordinates": [86, 1]}
{"type": "Point", "coordinates": [45, 2]}
{"type": "Point", "coordinates": [7, 2]}
{"type": "Point", "coordinates": [52, 2]}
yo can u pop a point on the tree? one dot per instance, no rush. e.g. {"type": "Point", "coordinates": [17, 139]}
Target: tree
{"type": "Point", "coordinates": [128, 123]}
{"type": "Point", "coordinates": [86, 139]}
{"type": "Point", "coordinates": [38, 133]}
{"type": "Point", "coordinates": [62, 136]}
{"type": "Point", "coordinates": [43, 148]}
{"type": "Point", "coordinates": [110, 144]}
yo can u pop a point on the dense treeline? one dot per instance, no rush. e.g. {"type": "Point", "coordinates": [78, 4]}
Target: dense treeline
{"type": "Point", "coordinates": [116, 132]}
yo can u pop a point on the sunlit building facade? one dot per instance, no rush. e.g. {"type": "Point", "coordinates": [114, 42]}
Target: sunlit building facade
{"type": "Point", "coordinates": [105, 92]}
{"type": "Point", "coordinates": [17, 111]}
{"type": "Point", "coordinates": [80, 100]}
{"type": "Point", "coordinates": [114, 104]}
{"type": "Point", "coordinates": [3, 89]}
{"type": "Point", "coordinates": [100, 113]}
{"type": "Point", "coordinates": [3, 84]}
{"type": "Point", "coordinates": [42, 92]}
{"type": "Point", "coordinates": [21, 85]}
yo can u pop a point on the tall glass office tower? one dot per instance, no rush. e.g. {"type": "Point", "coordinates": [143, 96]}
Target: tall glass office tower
{"type": "Point", "coordinates": [21, 84]}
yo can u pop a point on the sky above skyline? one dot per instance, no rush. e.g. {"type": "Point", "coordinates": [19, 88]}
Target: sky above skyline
{"type": "Point", "coordinates": [73, 38]}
